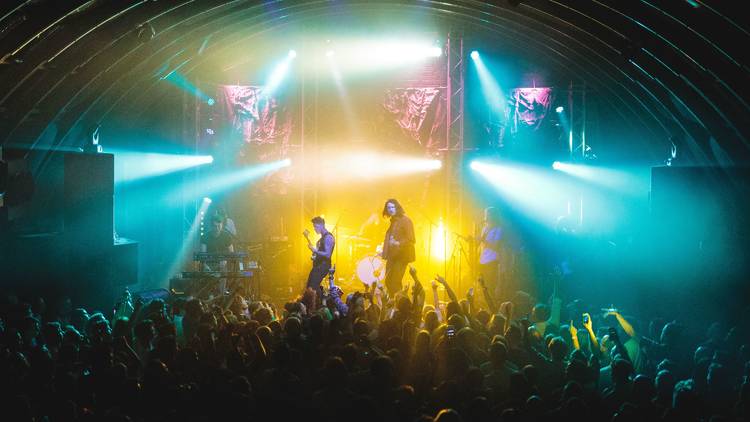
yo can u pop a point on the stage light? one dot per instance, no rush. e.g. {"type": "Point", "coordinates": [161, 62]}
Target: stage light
{"type": "Point", "coordinates": [366, 55]}
{"type": "Point", "coordinates": [278, 74]}
{"type": "Point", "coordinates": [386, 166]}
{"type": "Point", "coordinates": [536, 191]}
{"type": "Point", "coordinates": [626, 181]}
{"type": "Point", "coordinates": [292, 54]}
{"type": "Point", "coordinates": [189, 244]}
{"type": "Point", "coordinates": [135, 165]}
{"type": "Point", "coordinates": [225, 181]}
{"type": "Point", "coordinates": [367, 165]}
{"type": "Point", "coordinates": [175, 78]}
{"type": "Point", "coordinates": [541, 194]}
{"type": "Point", "coordinates": [438, 244]}
{"type": "Point", "coordinates": [491, 90]}
{"type": "Point", "coordinates": [560, 109]}
{"type": "Point", "coordinates": [211, 101]}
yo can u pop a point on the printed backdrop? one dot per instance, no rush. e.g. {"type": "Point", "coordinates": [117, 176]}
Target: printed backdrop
{"type": "Point", "coordinates": [255, 128]}
{"type": "Point", "coordinates": [419, 115]}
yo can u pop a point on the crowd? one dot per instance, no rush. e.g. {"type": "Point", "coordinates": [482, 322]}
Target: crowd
{"type": "Point", "coordinates": [366, 356]}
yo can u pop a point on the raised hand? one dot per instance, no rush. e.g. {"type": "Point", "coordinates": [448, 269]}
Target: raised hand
{"type": "Point", "coordinates": [507, 309]}
{"type": "Point", "coordinates": [573, 330]}
{"type": "Point", "coordinates": [440, 279]}
{"type": "Point", "coordinates": [613, 313]}
{"type": "Point", "coordinates": [434, 284]}
{"type": "Point", "coordinates": [412, 272]}
{"type": "Point", "coordinates": [587, 322]}
{"type": "Point", "coordinates": [416, 289]}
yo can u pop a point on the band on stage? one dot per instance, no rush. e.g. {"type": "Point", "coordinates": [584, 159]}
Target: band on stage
{"type": "Point", "coordinates": [398, 249]}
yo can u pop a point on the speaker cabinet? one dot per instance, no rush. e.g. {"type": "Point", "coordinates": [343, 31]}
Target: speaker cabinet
{"type": "Point", "coordinates": [88, 202]}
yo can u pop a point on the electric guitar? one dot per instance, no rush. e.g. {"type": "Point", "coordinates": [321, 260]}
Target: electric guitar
{"type": "Point", "coordinates": [306, 233]}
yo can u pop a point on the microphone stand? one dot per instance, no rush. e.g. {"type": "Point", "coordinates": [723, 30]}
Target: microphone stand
{"type": "Point", "coordinates": [458, 246]}
{"type": "Point", "coordinates": [336, 237]}
{"type": "Point", "coordinates": [429, 240]}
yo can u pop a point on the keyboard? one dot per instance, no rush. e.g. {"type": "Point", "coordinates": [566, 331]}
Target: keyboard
{"type": "Point", "coordinates": [217, 274]}
{"type": "Point", "coordinates": [219, 256]}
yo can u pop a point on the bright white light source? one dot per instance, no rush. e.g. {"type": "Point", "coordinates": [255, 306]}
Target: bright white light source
{"type": "Point", "coordinates": [435, 52]}
{"type": "Point", "coordinates": [133, 165]}
{"type": "Point", "coordinates": [474, 54]}
{"type": "Point", "coordinates": [279, 73]}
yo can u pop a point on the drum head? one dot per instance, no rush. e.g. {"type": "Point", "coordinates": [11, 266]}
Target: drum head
{"type": "Point", "coordinates": [371, 269]}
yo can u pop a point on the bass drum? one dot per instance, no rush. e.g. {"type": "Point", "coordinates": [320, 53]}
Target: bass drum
{"type": "Point", "coordinates": [371, 269]}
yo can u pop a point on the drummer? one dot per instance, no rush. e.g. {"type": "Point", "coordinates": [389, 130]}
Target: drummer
{"type": "Point", "coordinates": [370, 228]}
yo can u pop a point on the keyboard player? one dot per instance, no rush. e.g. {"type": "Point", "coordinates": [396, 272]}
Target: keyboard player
{"type": "Point", "coordinates": [218, 240]}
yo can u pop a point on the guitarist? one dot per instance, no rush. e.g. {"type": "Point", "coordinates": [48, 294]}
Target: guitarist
{"type": "Point", "coordinates": [321, 254]}
{"type": "Point", "coordinates": [398, 245]}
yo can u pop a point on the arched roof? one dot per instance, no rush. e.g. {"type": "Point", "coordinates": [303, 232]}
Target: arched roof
{"type": "Point", "coordinates": [672, 69]}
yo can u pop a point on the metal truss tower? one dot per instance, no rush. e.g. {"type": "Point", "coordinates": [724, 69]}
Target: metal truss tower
{"type": "Point", "coordinates": [454, 154]}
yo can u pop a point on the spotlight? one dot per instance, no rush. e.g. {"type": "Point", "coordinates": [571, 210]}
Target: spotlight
{"type": "Point", "coordinates": [557, 165]}
{"type": "Point", "coordinates": [330, 53]}
{"type": "Point", "coordinates": [560, 109]}
{"type": "Point", "coordinates": [475, 165]}
{"type": "Point", "coordinates": [475, 54]}
{"type": "Point", "coordinates": [286, 162]}
{"type": "Point", "coordinates": [292, 54]}
{"type": "Point", "coordinates": [435, 52]}
{"type": "Point", "coordinates": [206, 200]}
{"type": "Point", "coordinates": [371, 165]}
{"type": "Point", "coordinates": [211, 101]}
{"type": "Point", "coordinates": [131, 165]}
{"type": "Point", "coordinates": [278, 74]}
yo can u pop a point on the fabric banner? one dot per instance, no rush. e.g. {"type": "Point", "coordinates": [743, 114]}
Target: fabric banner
{"type": "Point", "coordinates": [420, 115]}
{"type": "Point", "coordinates": [530, 107]}
{"type": "Point", "coordinates": [261, 121]}
{"type": "Point", "coordinates": [260, 128]}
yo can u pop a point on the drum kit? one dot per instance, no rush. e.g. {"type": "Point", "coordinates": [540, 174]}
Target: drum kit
{"type": "Point", "coordinates": [369, 266]}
